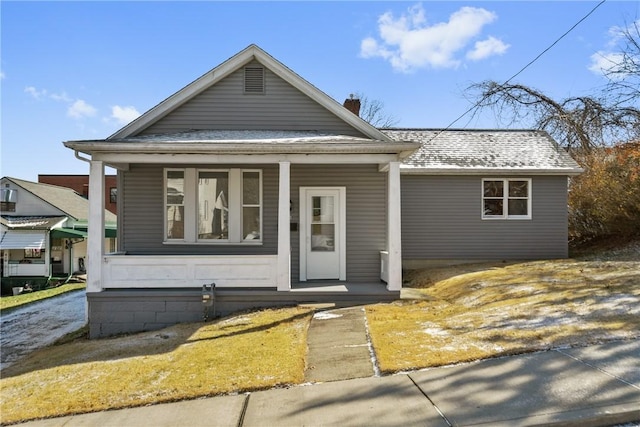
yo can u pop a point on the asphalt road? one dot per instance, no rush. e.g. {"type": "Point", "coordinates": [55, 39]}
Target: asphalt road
{"type": "Point", "coordinates": [37, 325]}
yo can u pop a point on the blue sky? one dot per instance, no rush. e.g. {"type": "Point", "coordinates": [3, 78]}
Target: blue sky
{"type": "Point", "coordinates": [81, 70]}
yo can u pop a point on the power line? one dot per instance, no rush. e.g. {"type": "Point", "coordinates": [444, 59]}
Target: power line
{"type": "Point", "coordinates": [477, 104]}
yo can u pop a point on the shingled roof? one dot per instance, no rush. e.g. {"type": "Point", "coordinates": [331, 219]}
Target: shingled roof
{"type": "Point", "coordinates": [63, 198]}
{"type": "Point", "coordinates": [471, 151]}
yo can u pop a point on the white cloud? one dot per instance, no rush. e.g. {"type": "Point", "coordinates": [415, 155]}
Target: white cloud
{"type": "Point", "coordinates": [409, 42]}
{"type": "Point", "coordinates": [63, 97]}
{"type": "Point", "coordinates": [77, 108]}
{"type": "Point", "coordinates": [44, 93]}
{"type": "Point", "coordinates": [124, 115]}
{"type": "Point", "coordinates": [608, 61]}
{"type": "Point", "coordinates": [2, 75]}
{"type": "Point", "coordinates": [80, 109]}
{"type": "Point", "coordinates": [602, 61]}
{"type": "Point", "coordinates": [35, 93]}
{"type": "Point", "coordinates": [486, 48]}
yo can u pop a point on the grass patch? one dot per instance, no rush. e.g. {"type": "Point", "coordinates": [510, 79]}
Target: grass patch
{"type": "Point", "coordinates": [9, 302]}
{"type": "Point", "coordinates": [509, 309]}
{"type": "Point", "coordinates": [251, 351]}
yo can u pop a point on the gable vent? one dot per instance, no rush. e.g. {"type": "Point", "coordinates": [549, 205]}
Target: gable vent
{"type": "Point", "coordinates": [254, 80]}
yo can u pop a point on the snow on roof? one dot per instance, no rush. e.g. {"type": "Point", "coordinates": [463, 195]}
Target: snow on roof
{"type": "Point", "coordinates": [477, 150]}
{"type": "Point", "coordinates": [247, 136]}
{"type": "Point", "coordinates": [30, 222]}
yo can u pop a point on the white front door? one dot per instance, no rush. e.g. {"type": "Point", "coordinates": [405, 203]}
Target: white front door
{"type": "Point", "coordinates": [322, 233]}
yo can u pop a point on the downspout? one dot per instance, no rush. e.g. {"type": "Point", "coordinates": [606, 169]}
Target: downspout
{"type": "Point", "coordinates": [71, 243]}
{"type": "Point", "coordinates": [84, 159]}
{"type": "Point", "coordinates": [70, 261]}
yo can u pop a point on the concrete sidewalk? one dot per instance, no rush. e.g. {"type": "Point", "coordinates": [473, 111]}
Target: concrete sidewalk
{"type": "Point", "coordinates": [597, 385]}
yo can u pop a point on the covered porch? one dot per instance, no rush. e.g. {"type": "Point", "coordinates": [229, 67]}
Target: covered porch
{"type": "Point", "coordinates": [243, 272]}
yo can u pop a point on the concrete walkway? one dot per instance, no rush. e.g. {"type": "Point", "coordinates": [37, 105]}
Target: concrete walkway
{"type": "Point", "coordinates": [338, 346]}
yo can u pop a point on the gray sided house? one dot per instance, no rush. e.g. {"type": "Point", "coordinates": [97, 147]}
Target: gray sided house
{"type": "Point", "coordinates": [253, 179]}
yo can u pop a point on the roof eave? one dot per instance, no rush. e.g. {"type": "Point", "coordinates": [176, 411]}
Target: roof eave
{"type": "Point", "coordinates": [168, 147]}
{"type": "Point", "coordinates": [409, 170]}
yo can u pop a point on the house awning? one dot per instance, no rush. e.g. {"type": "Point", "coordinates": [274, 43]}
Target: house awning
{"type": "Point", "coordinates": [67, 233]}
{"type": "Point", "coordinates": [22, 240]}
{"type": "Point", "coordinates": [110, 230]}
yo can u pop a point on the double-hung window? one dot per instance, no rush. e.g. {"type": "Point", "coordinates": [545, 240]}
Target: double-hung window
{"type": "Point", "coordinates": [214, 205]}
{"type": "Point", "coordinates": [506, 198]}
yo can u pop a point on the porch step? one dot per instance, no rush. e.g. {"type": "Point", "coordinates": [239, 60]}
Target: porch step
{"type": "Point", "coordinates": [318, 306]}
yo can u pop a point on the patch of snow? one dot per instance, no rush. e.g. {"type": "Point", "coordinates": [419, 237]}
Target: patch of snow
{"type": "Point", "coordinates": [37, 325]}
{"type": "Point", "coordinates": [524, 288]}
{"type": "Point", "coordinates": [235, 321]}
{"type": "Point", "coordinates": [620, 304]}
{"type": "Point", "coordinates": [326, 315]}
{"type": "Point", "coordinates": [372, 351]}
{"type": "Point", "coordinates": [433, 329]}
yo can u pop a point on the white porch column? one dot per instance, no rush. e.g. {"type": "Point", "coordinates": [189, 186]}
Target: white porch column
{"type": "Point", "coordinates": [394, 238]}
{"type": "Point", "coordinates": [95, 243]}
{"type": "Point", "coordinates": [284, 232]}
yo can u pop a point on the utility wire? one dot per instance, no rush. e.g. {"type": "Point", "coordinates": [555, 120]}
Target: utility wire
{"type": "Point", "coordinates": [477, 104]}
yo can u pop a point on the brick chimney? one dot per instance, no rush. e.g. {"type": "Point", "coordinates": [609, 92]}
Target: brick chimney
{"type": "Point", "coordinates": [352, 104]}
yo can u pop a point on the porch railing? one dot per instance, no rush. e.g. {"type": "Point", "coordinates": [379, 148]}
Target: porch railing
{"type": "Point", "coordinates": [166, 271]}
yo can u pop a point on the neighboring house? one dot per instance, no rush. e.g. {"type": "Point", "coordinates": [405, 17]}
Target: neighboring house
{"type": "Point", "coordinates": [253, 179]}
{"type": "Point", "coordinates": [43, 230]}
{"type": "Point", "coordinates": [80, 184]}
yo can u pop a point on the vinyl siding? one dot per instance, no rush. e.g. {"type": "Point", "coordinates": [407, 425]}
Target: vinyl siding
{"type": "Point", "coordinates": [441, 219]}
{"type": "Point", "coordinates": [142, 223]}
{"type": "Point", "coordinates": [28, 204]}
{"type": "Point", "coordinates": [365, 210]}
{"type": "Point", "coordinates": [226, 106]}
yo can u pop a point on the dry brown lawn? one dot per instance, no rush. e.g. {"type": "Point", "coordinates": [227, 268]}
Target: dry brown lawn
{"type": "Point", "coordinates": [470, 312]}
{"type": "Point", "coordinates": [245, 352]}
{"type": "Point", "coordinates": [480, 311]}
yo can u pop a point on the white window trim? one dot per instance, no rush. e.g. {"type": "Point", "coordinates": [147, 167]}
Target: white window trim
{"type": "Point", "coordinates": [190, 203]}
{"type": "Point", "coordinates": [505, 200]}
{"type": "Point", "coordinates": [165, 205]}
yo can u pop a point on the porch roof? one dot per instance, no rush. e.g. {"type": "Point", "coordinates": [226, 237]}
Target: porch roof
{"type": "Point", "coordinates": [67, 233]}
{"type": "Point", "coordinates": [244, 142]}
{"type": "Point", "coordinates": [31, 222]}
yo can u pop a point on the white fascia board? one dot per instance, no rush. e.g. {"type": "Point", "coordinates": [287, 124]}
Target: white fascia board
{"type": "Point", "coordinates": [408, 170]}
{"type": "Point", "coordinates": [193, 158]}
{"type": "Point", "coordinates": [319, 96]}
{"type": "Point", "coordinates": [186, 93]}
{"type": "Point", "coordinates": [263, 147]}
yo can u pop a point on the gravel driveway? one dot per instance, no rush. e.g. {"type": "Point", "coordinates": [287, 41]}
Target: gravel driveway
{"type": "Point", "coordinates": [39, 324]}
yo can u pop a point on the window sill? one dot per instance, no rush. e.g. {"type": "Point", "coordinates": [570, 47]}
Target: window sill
{"type": "Point", "coordinates": [505, 218]}
{"type": "Point", "coordinates": [183, 243]}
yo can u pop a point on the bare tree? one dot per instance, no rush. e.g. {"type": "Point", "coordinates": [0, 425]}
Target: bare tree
{"type": "Point", "coordinates": [584, 122]}
{"type": "Point", "coordinates": [372, 111]}
{"type": "Point", "coordinates": [610, 116]}
{"type": "Point", "coordinates": [624, 69]}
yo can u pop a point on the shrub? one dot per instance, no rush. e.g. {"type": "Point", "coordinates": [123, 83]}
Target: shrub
{"type": "Point", "coordinates": [605, 200]}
